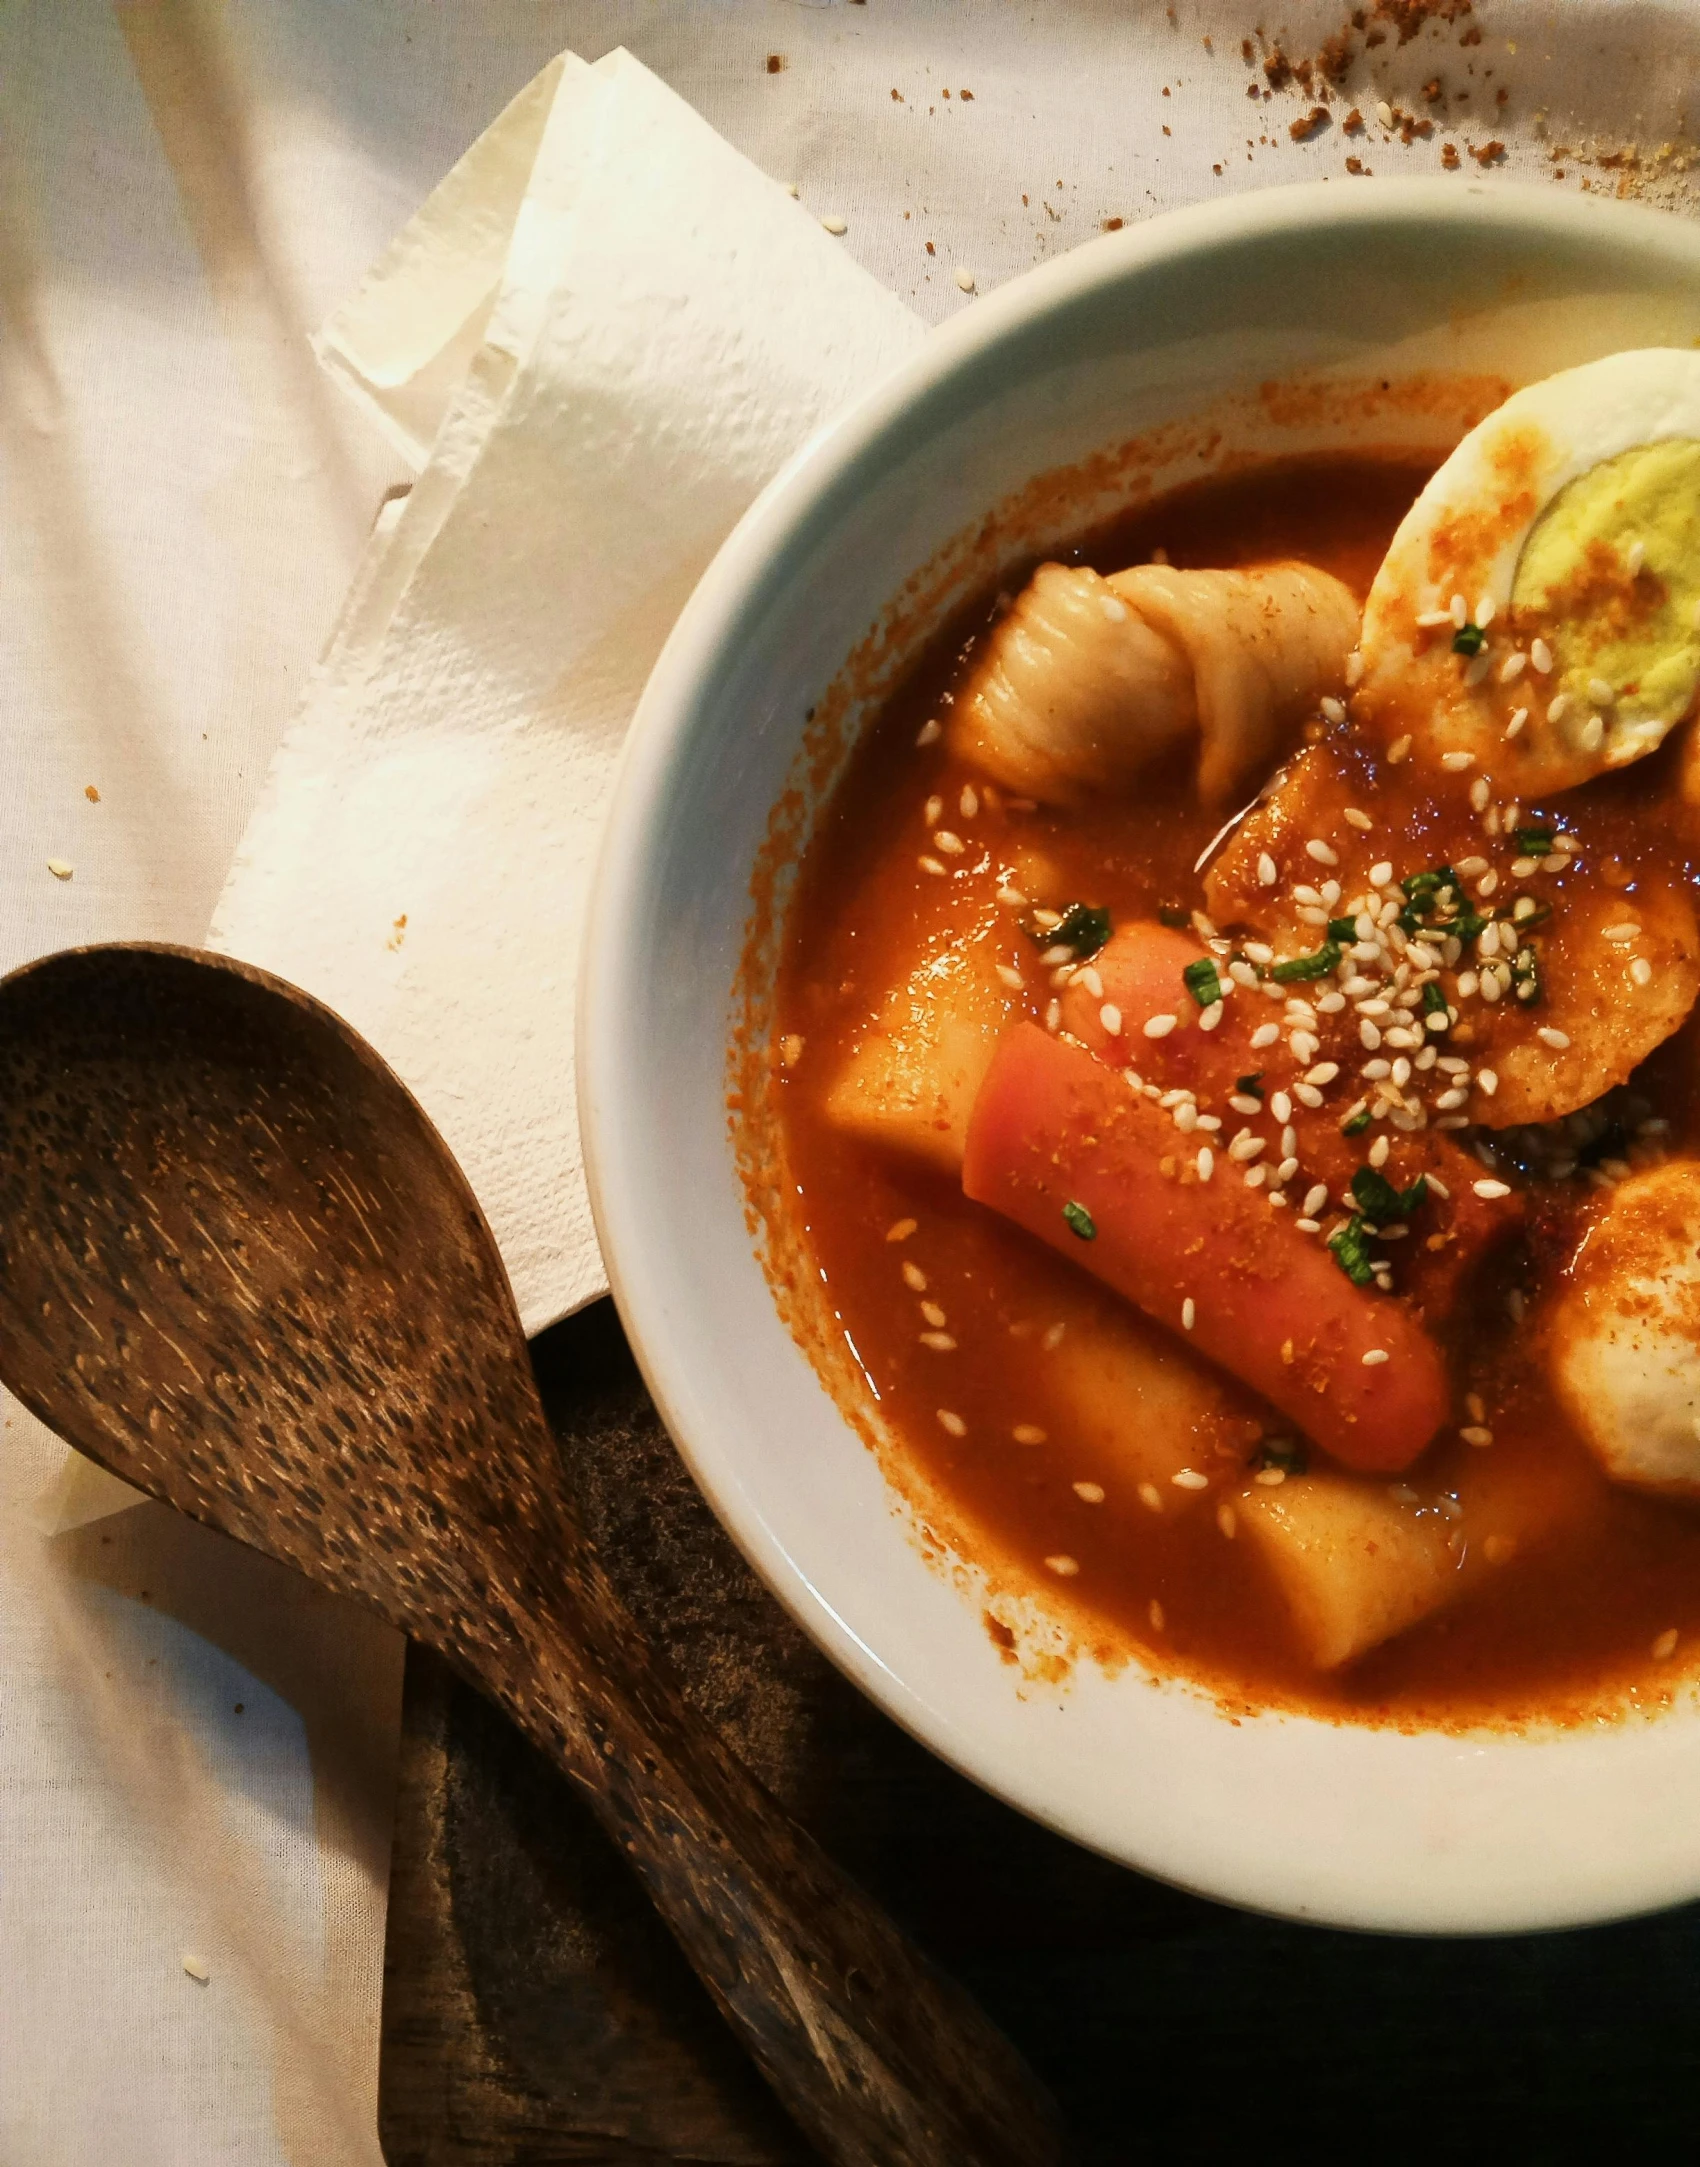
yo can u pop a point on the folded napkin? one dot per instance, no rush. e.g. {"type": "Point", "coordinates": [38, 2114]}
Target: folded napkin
{"type": "Point", "coordinates": [596, 341]}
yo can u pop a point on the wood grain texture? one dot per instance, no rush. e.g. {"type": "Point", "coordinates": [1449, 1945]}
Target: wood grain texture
{"type": "Point", "coordinates": [1170, 2028]}
{"type": "Point", "coordinates": [238, 1267]}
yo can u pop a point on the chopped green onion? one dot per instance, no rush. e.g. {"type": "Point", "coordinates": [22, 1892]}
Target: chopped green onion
{"type": "Point", "coordinates": [1534, 842]}
{"type": "Point", "coordinates": [1357, 1124]}
{"type": "Point", "coordinates": [1526, 976]}
{"type": "Point", "coordinates": [1171, 914]}
{"type": "Point", "coordinates": [1202, 982]}
{"type": "Point", "coordinates": [1468, 640]}
{"type": "Point", "coordinates": [1380, 1202]}
{"type": "Point", "coordinates": [1083, 929]}
{"type": "Point", "coordinates": [1319, 965]}
{"type": "Point", "coordinates": [1251, 1085]}
{"type": "Point", "coordinates": [1079, 1221]}
{"type": "Point", "coordinates": [1286, 1453]}
{"type": "Point", "coordinates": [1344, 930]}
{"type": "Point", "coordinates": [1351, 1252]}
{"type": "Point", "coordinates": [1434, 1001]}
{"type": "Point", "coordinates": [1440, 876]}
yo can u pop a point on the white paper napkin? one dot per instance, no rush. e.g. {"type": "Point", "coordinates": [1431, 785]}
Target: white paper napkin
{"type": "Point", "coordinates": [610, 329]}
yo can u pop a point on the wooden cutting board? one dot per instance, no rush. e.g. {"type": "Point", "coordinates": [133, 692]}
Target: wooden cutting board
{"type": "Point", "coordinates": [536, 2013]}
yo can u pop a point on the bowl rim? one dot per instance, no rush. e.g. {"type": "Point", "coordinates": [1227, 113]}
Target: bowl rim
{"type": "Point", "coordinates": [667, 713]}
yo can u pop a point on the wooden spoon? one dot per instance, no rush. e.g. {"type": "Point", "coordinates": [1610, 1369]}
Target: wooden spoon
{"type": "Point", "coordinates": [239, 1267]}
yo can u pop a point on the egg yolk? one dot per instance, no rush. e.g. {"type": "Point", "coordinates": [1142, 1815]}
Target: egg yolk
{"type": "Point", "coordinates": [1610, 578]}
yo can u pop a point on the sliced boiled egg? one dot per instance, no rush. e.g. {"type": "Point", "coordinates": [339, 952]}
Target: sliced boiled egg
{"type": "Point", "coordinates": [1536, 614]}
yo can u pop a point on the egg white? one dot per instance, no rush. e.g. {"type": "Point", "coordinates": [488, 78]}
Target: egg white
{"type": "Point", "coordinates": [1466, 536]}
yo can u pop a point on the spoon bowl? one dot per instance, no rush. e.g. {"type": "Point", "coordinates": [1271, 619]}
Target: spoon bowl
{"type": "Point", "coordinates": [239, 1268]}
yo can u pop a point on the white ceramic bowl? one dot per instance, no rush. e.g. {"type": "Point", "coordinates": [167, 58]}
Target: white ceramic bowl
{"type": "Point", "coordinates": [1355, 1826]}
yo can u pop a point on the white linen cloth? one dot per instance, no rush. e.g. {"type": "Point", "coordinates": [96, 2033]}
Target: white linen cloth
{"type": "Point", "coordinates": [186, 189]}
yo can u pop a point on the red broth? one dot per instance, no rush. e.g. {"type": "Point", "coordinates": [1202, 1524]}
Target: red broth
{"type": "Point", "coordinates": [1562, 1632]}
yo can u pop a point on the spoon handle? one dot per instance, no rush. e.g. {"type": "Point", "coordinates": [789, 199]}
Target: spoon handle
{"type": "Point", "coordinates": [881, 2060]}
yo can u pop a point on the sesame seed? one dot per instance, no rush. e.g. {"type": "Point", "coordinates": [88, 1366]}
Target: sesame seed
{"type": "Point", "coordinates": [1634, 558]}
{"type": "Point", "coordinates": [1384, 112]}
{"type": "Point", "coordinates": [1549, 1035]}
{"type": "Point", "coordinates": [1375, 1357]}
{"type": "Point", "coordinates": [1641, 971]}
{"type": "Point", "coordinates": [1010, 976]}
{"type": "Point", "coordinates": [1307, 1095]}
{"type": "Point", "coordinates": [1628, 931]}
{"type": "Point", "coordinates": [1601, 691]}
{"type": "Point", "coordinates": [952, 1424]}
{"type": "Point", "coordinates": [1189, 1314]}
{"type": "Point", "coordinates": [1457, 762]}
{"type": "Point", "coordinates": [934, 1314]}
{"type": "Point", "coordinates": [1663, 1648]}
{"type": "Point", "coordinates": [1150, 1497]}
{"type": "Point", "coordinates": [1491, 1189]}
{"type": "Point", "coordinates": [1243, 1103]}
{"type": "Point", "coordinates": [1519, 717]}
{"type": "Point", "coordinates": [1323, 1073]}
{"type": "Point", "coordinates": [913, 1277]}
{"type": "Point", "coordinates": [1540, 655]}
{"type": "Point", "coordinates": [930, 732]}
{"type": "Point", "coordinates": [1028, 1433]}
{"type": "Point", "coordinates": [1160, 1026]}
{"type": "Point", "coordinates": [1354, 668]}
{"type": "Point", "coordinates": [1487, 885]}
{"type": "Point", "coordinates": [1266, 870]}
{"type": "Point", "coordinates": [1398, 750]}
{"type": "Point", "coordinates": [1459, 611]}
{"type": "Point", "coordinates": [1289, 1145]}
{"type": "Point", "coordinates": [929, 865]}
{"type": "Point", "coordinates": [1206, 1163]}
{"type": "Point", "coordinates": [1189, 1478]}
{"type": "Point", "coordinates": [1053, 1337]}
{"type": "Point", "coordinates": [1185, 1117]}
{"type": "Point", "coordinates": [1315, 1199]}
{"type": "Point", "coordinates": [1053, 1015]}
{"type": "Point", "coordinates": [939, 1342]}
{"type": "Point", "coordinates": [1209, 1018]}
{"type": "Point", "coordinates": [835, 225]}
{"type": "Point", "coordinates": [1592, 734]}
{"type": "Point", "coordinates": [969, 802]}
{"type": "Point", "coordinates": [1281, 1107]}
{"type": "Point", "coordinates": [1480, 792]}
{"type": "Point", "coordinates": [1477, 1434]}
{"type": "Point", "coordinates": [1226, 1519]}
{"type": "Point", "coordinates": [1047, 920]}
{"type": "Point", "coordinates": [901, 1229]}
{"type": "Point", "coordinates": [1089, 1493]}
{"type": "Point", "coordinates": [1304, 1046]}
{"type": "Point", "coordinates": [1154, 1611]}
{"type": "Point", "coordinates": [196, 1967]}
{"type": "Point", "coordinates": [930, 812]}
{"type": "Point", "coordinates": [59, 869]}
{"type": "Point", "coordinates": [1485, 611]}
{"type": "Point", "coordinates": [1354, 818]}
{"type": "Point", "coordinates": [952, 845]}
{"type": "Point", "coordinates": [1110, 1016]}
{"type": "Point", "coordinates": [1334, 710]}
{"type": "Point", "coordinates": [1319, 850]}
{"type": "Point", "coordinates": [1513, 667]}
{"type": "Point", "coordinates": [1450, 1099]}
{"type": "Point", "coordinates": [1308, 1226]}
{"type": "Point", "coordinates": [1063, 1566]}
{"type": "Point", "coordinates": [790, 1049]}
{"type": "Point", "coordinates": [964, 278]}
{"type": "Point", "coordinates": [1476, 671]}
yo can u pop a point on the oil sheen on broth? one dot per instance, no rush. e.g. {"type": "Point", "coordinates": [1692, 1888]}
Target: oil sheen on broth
{"type": "Point", "coordinates": [1333, 1343]}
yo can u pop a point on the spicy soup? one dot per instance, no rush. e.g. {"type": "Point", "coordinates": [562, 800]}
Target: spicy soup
{"type": "Point", "coordinates": [1110, 1453]}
